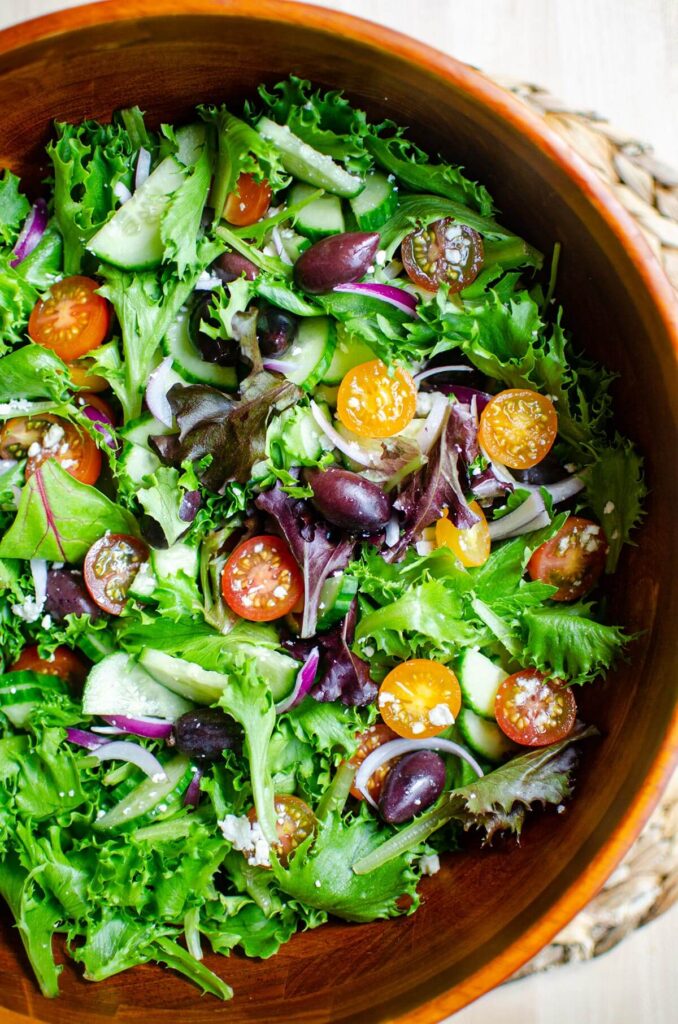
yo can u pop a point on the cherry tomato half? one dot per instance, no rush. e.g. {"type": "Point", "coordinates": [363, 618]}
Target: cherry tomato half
{"type": "Point", "coordinates": [248, 202]}
{"type": "Point", "coordinates": [71, 318]}
{"type": "Point", "coordinates": [374, 401]}
{"type": "Point", "coordinates": [573, 560]}
{"type": "Point", "coordinates": [43, 437]}
{"type": "Point", "coordinates": [261, 580]}
{"type": "Point", "coordinates": [445, 252]}
{"type": "Point", "coordinates": [372, 738]}
{"type": "Point", "coordinates": [471, 546]}
{"type": "Point", "coordinates": [534, 710]}
{"type": "Point", "coordinates": [295, 822]}
{"type": "Point", "coordinates": [63, 663]}
{"type": "Point", "coordinates": [419, 698]}
{"type": "Point", "coordinates": [110, 566]}
{"type": "Point", "coordinates": [82, 376]}
{"type": "Point", "coordinates": [84, 398]}
{"type": "Point", "coordinates": [518, 427]}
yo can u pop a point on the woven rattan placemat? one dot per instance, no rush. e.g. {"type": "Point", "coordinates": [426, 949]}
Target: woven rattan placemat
{"type": "Point", "coordinates": [646, 882]}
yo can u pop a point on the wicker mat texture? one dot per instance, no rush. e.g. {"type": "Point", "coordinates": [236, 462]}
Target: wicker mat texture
{"type": "Point", "coordinates": [646, 882]}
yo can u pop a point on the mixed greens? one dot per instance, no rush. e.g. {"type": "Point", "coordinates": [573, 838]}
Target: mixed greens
{"type": "Point", "coordinates": [303, 493]}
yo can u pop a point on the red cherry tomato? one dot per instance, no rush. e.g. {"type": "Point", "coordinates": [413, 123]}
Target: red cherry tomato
{"type": "Point", "coordinates": [295, 822]}
{"type": "Point", "coordinates": [261, 580]}
{"type": "Point", "coordinates": [534, 710]}
{"type": "Point", "coordinates": [110, 566]}
{"type": "Point", "coordinates": [71, 318]}
{"type": "Point", "coordinates": [248, 202]}
{"type": "Point", "coordinates": [374, 737]}
{"type": "Point", "coordinates": [573, 560]}
{"type": "Point", "coordinates": [43, 437]}
{"type": "Point", "coordinates": [445, 252]}
{"type": "Point", "coordinates": [63, 663]}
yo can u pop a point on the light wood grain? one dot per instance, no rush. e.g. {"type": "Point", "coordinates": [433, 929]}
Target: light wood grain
{"type": "Point", "coordinates": [619, 57]}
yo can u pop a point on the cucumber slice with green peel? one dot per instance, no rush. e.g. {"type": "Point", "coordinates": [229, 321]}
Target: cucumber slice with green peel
{"type": "Point", "coordinates": [95, 645]}
{"type": "Point", "coordinates": [376, 203]}
{"type": "Point", "coordinates": [23, 694]}
{"type": "Point", "coordinates": [479, 679]}
{"type": "Point", "coordinates": [312, 351]}
{"type": "Point", "coordinates": [319, 219]}
{"type": "Point", "coordinates": [484, 738]}
{"type": "Point", "coordinates": [188, 362]}
{"type": "Point", "coordinates": [349, 352]}
{"type": "Point", "coordinates": [139, 430]}
{"type": "Point", "coordinates": [336, 596]}
{"type": "Point", "coordinates": [136, 464]}
{"type": "Point", "coordinates": [293, 243]}
{"type": "Point", "coordinates": [278, 669]}
{"type": "Point", "coordinates": [117, 685]}
{"type": "Point", "coordinates": [307, 163]}
{"type": "Point", "coordinates": [184, 677]}
{"type": "Point", "coordinates": [150, 800]}
{"type": "Point", "coordinates": [178, 558]}
{"type": "Point", "coordinates": [11, 682]}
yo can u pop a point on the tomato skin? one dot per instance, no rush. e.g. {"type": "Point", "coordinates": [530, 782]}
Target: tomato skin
{"type": "Point", "coordinates": [533, 710]}
{"type": "Point", "coordinates": [71, 319]}
{"type": "Point", "coordinates": [261, 581]}
{"type": "Point", "coordinates": [81, 376]}
{"type": "Point", "coordinates": [248, 202]}
{"type": "Point", "coordinates": [375, 736]}
{"type": "Point", "coordinates": [419, 698]}
{"type": "Point", "coordinates": [445, 252]}
{"type": "Point", "coordinates": [573, 560]}
{"type": "Point", "coordinates": [64, 663]}
{"type": "Point", "coordinates": [471, 546]}
{"type": "Point", "coordinates": [518, 427]}
{"type": "Point", "coordinates": [295, 822]}
{"type": "Point", "coordinates": [375, 402]}
{"type": "Point", "coordinates": [110, 565]}
{"type": "Point", "coordinates": [56, 438]}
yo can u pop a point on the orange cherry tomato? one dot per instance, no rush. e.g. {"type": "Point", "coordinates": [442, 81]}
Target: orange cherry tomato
{"type": "Point", "coordinates": [573, 560]}
{"type": "Point", "coordinates": [419, 698]}
{"type": "Point", "coordinates": [71, 318]}
{"type": "Point", "coordinates": [374, 737]}
{"type": "Point", "coordinates": [261, 580]}
{"type": "Point", "coordinates": [374, 401]}
{"type": "Point", "coordinates": [471, 546]}
{"type": "Point", "coordinates": [534, 710]}
{"type": "Point", "coordinates": [249, 202]}
{"type": "Point", "coordinates": [110, 566]}
{"type": "Point", "coordinates": [43, 437]}
{"type": "Point", "coordinates": [63, 663]}
{"type": "Point", "coordinates": [81, 376]}
{"type": "Point", "coordinates": [295, 822]}
{"type": "Point", "coordinates": [518, 427]}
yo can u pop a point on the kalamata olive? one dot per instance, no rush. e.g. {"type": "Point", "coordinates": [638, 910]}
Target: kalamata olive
{"type": "Point", "coordinates": [67, 595]}
{"type": "Point", "coordinates": [223, 351]}
{"type": "Point", "coordinates": [413, 784]}
{"type": "Point", "coordinates": [231, 265]}
{"type": "Point", "coordinates": [338, 259]}
{"type": "Point", "coordinates": [348, 500]}
{"type": "Point", "coordinates": [548, 471]}
{"type": "Point", "coordinates": [190, 503]}
{"type": "Point", "coordinates": [205, 733]}
{"type": "Point", "coordinates": [276, 330]}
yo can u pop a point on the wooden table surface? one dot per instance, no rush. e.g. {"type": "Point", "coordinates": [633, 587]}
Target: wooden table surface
{"type": "Point", "coordinates": [619, 58]}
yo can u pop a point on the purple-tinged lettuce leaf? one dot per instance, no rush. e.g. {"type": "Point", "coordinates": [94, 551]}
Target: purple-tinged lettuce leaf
{"type": "Point", "coordinates": [463, 434]}
{"type": "Point", "coordinates": [319, 549]}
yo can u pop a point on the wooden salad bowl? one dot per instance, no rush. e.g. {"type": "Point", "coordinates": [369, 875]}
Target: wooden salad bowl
{"type": "Point", "coordinates": [488, 911]}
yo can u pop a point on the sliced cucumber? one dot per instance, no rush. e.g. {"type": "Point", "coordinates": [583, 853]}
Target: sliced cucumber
{"type": "Point", "coordinates": [152, 799]}
{"type": "Point", "coordinates": [143, 585]}
{"type": "Point", "coordinates": [138, 431]}
{"type": "Point", "coordinates": [484, 738]}
{"type": "Point", "coordinates": [293, 243]}
{"type": "Point", "coordinates": [117, 685]}
{"type": "Point", "coordinates": [136, 464]}
{"type": "Point", "coordinates": [376, 203]}
{"type": "Point", "coordinates": [188, 362]}
{"type": "Point", "coordinates": [184, 677]}
{"type": "Point", "coordinates": [320, 218]}
{"type": "Point", "coordinates": [479, 679]}
{"type": "Point", "coordinates": [307, 163]}
{"type": "Point", "coordinates": [349, 352]}
{"type": "Point", "coordinates": [95, 645]}
{"type": "Point", "coordinates": [312, 351]}
{"type": "Point", "coordinates": [278, 669]}
{"type": "Point", "coordinates": [178, 558]}
{"type": "Point", "coordinates": [12, 683]}
{"type": "Point", "coordinates": [336, 596]}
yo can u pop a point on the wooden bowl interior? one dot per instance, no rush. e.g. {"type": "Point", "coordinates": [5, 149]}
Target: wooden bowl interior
{"type": "Point", "coordinates": [481, 905]}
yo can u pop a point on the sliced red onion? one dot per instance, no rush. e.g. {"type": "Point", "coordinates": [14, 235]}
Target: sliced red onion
{"type": "Point", "coordinates": [31, 232]}
{"type": "Point", "coordinates": [82, 738]}
{"type": "Point", "coordinates": [143, 167]}
{"type": "Point", "coordinates": [278, 366]}
{"type": "Point", "coordinates": [103, 423]}
{"type": "Point", "coordinates": [440, 369]}
{"type": "Point", "coordinates": [279, 246]}
{"type": "Point", "coordinates": [132, 753]}
{"type": "Point", "coordinates": [192, 794]}
{"type": "Point", "coordinates": [161, 380]}
{"type": "Point", "coordinates": [122, 192]}
{"type": "Point", "coordinates": [396, 748]}
{"type": "Point", "coordinates": [151, 728]}
{"type": "Point", "coordinates": [397, 297]}
{"type": "Point", "coordinates": [392, 532]}
{"type": "Point", "coordinates": [303, 682]}
{"type": "Point", "coordinates": [518, 521]}
{"type": "Point", "coordinates": [350, 448]}
{"type": "Point", "coordinates": [108, 730]}
{"type": "Point", "coordinates": [433, 424]}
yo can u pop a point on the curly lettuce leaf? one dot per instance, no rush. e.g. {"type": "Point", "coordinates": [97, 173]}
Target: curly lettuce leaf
{"type": "Point", "coordinates": [14, 208]}
{"type": "Point", "coordinates": [32, 372]}
{"type": "Point", "coordinates": [180, 227]}
{"type": "Point", "coordinates": [615, 490]}
{"type": "Point", "coordinates": [567, 643]}
{"type": "Point", "coordinates": [17, 298]}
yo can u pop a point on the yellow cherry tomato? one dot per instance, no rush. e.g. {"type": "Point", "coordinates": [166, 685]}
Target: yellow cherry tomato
{"type": "Point", "coordinates": [419, 698]}
{"type": "Point", "coordinates": [375, 401]}
{"type": "Point", "coordinates": [518, 427]}
{"type": "Point", "coordinates": [471, 546]}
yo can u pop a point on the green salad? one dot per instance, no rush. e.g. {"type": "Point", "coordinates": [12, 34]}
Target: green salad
{"type": "Point", "coordinates": [305, 502]}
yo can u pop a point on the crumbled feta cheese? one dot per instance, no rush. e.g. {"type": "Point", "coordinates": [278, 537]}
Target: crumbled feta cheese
{"type": "Point", "coordinates": [46, 621]}
{"type": "Point", "coordinates": [247, 837]}
{"type": "Point", "coordinates": [609, 508]}
{"type": "Point", "coordinates": [53, 437]}
{"type": "Point", "coordinates": [430, 864]}
{"type": "Point", "coordinates": [381, 257]}
{"type": "Point", "coordinates": [418, 727]}
{"type": "Point", "coordinates": [441, 715]}
{"type": "Point", "coordinates": [206, 282]}
{"type": "Point", "coordinates": [368, 650]}
{"type": "Point", "coordinates": [33, 450]}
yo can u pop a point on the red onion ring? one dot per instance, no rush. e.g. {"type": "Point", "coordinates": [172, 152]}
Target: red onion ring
{"type": "Point", "coordinates": [396, 297]}
{"type": "Point", "coordinates": [132, 753]}
{"type": "Point", "coordinates": [302, 684]}
{"type": "Point", "coordinates": [31, 232]}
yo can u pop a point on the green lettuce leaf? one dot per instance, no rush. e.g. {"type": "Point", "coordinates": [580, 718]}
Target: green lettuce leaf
{"type": "Point", "coordinates": [17, 298]}
{"type": "Point", "coordinates": [37, 918]}
{"type": "Point", "coordinates": [615, 491]}
{"type": "Point", "coordinates": [14, 208]}
{"type": "Point", "coordinates": [565, 642]}
{"type": "Point", "coordinates": [162, 501]}
{"type": "Point", "coordinates": [180, 226]}
{"type": "Point", "coordinates": [32, 372]}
